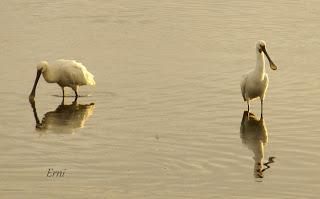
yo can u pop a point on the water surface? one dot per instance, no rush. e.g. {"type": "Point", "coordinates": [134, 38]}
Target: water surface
{"type": "Point", "coordinates": [166, 119]}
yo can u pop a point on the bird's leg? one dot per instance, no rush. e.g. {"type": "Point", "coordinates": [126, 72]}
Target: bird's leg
{"type": "Point", "coordinates": [248, 107]}
{"type": "Point", "coordinates": [62, 92]}
{"type": "Point", "coordinates": [75, 101]}
{"type": "Point", "coordinates": [76, 96]}
{"type": "Point", "coordinates": [248, 102]}
{"type": "Point", "coordinates": [261, 99]}
{"type": "Point", "coordinates": [62, 102]}
{"type": "Point", "coordinates": [76, 92]}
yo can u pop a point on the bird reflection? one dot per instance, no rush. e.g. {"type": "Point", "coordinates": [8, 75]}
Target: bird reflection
{"type": "Point", "coordinates": [254, 135]}
{"type": "Point", "coordinates": [65, 119]}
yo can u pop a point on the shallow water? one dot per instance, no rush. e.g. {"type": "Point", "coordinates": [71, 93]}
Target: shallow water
{"type": "Point", "coordinates": [166, 117]}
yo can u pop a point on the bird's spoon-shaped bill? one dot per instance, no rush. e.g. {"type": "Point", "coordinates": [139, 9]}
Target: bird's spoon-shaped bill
{"type": "Point", "coordinates": [33, 92]}
{"type": "Point", "coordinates": [272, 65]}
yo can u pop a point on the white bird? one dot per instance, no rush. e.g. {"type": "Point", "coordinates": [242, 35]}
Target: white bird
{"type": "Point", "coordinates": [66, 73]}
{"type": "Point", "coordinates": [255, 83]}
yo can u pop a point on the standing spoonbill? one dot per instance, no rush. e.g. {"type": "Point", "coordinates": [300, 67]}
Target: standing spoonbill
{"type": "Point", "coordinates": [255, 83]}
{"type": "Point", "coordinates": [66, 73]}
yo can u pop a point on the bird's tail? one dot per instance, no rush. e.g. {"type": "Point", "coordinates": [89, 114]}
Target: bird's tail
{"type": "Point", "coordinates": [90, 79]}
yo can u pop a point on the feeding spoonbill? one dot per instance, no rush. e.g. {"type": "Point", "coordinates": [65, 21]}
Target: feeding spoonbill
{"type": "Point", "coordinates": [255, 83]}
{"type": "Point", "coordinates": [66, 73]}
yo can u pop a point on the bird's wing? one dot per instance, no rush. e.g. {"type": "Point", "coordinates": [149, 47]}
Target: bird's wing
{"type": "Point", "coordinates": [243, 86]}
{"type": "Point", "coordinates": [87, 77]}
{"type": "Point", "coordinates": [72, 72]}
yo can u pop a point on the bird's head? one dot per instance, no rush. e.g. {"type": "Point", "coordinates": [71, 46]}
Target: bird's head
{"type": "Point", "coordinates": [261, 47]}
{"type": "Point", "coordinates": [42, 66]}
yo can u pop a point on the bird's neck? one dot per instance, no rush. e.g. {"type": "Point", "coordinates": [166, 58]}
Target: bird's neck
{"type": "Point", "coordinates": [260, 65]}
{"type": "Point", "coordinates": [48, 75]}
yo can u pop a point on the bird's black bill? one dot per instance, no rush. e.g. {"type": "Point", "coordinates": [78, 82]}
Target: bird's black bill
{"type": "Point", "coordinates": [33, 92]}
{"type": "Point", "coordinates": [272, 65]}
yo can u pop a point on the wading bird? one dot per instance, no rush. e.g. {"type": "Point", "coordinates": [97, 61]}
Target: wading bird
{"type": "Point", "coordinates": [66, 73]}
{"type": "Point", "coordinates": [255, 83]}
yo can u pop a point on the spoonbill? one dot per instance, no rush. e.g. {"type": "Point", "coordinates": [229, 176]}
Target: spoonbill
{"type": "Point", "coordinates": [66, 73]}
{"type": "Point", "coordinates": [255, 83]}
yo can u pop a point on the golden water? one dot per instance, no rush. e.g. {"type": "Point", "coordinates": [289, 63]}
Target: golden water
{"type": "Point", "coordinates": [165, 118]}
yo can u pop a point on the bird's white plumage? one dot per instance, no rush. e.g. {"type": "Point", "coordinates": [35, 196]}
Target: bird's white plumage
{"type": "Point", "coordinates": [66, 73]}
{"type": "Point", "coordinates": [254, 84]}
